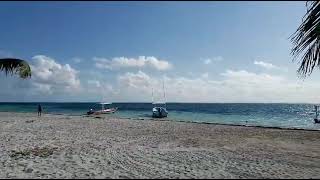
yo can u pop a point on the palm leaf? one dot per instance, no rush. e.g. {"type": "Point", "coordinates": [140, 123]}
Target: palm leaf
{"type": "Point", "coordinates": [15, 66]}
{"type": "Point", "coordinates": [306, 40]}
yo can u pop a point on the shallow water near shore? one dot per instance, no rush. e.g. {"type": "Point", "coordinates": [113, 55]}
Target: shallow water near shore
{"type": "Point", "coordinates": [252, 114]}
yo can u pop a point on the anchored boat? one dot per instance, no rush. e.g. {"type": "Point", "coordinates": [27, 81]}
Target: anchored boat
{"type": "Point", "coordinates": [106, 108]}
{"type": "Point", "coordinates": [159, 109]}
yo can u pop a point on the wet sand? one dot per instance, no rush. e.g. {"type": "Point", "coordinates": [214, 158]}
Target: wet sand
{"type": "Point", "coordinates": [61, 146]}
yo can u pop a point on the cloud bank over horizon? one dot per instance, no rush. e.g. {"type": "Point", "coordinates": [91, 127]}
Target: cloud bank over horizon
{"type": "Point", "coordinates": [52, 79]}
{"type": "Point", "coordinates": [140, 62]}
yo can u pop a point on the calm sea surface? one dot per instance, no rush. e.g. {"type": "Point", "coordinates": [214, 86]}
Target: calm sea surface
{"type": "Point", "coordinates": [270, 115]}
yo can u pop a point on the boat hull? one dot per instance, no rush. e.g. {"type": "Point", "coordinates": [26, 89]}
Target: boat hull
{"type": "Point", "coordinates": [105, 111]}
{"type": "Point", "coordinates": [159, 112]}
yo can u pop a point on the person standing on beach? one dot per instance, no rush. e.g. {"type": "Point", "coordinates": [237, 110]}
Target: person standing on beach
{"type": "Point", "coordinates": [39, 110]}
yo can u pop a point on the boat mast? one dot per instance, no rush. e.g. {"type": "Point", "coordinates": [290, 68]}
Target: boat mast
{"type": "Point", "coordinates": [164, 94]}
{"type": "Point", "coordinates": [152, 96]}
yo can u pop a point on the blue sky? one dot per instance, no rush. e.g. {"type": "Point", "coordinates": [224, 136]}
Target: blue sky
{"type": "Point", "coordinates": [119, 51]}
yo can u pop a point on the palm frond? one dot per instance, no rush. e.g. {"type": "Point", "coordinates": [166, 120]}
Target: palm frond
{"type": "Point", "coordinates": [307, 39]}
{"type": "Point", "coordinates": [15, 66]}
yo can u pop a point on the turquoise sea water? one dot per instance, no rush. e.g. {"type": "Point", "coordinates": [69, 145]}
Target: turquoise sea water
{"type": "Point", "coordinates": [268, 115]}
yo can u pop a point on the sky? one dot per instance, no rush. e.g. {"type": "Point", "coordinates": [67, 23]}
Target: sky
{"type": "Point", "coordinates": [124, 51]}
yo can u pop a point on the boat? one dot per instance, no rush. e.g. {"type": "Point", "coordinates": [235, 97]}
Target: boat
{"type": "Point", "coordinates": [106, 108]}
{"type": "Point", "coordinates": [316, 120]}
{"type": "Point", "coordinates": [159, 109]}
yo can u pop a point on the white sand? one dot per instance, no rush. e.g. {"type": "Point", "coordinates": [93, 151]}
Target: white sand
{"type": "Point", "coordinates": [85, 147]}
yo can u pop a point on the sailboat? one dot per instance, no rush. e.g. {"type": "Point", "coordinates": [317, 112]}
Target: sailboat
{"type": "Point", "coordinates": [159, 109]}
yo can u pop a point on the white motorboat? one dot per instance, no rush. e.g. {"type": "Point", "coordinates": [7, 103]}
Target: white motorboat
{"type": "Point", "coordinates": [106, 108]}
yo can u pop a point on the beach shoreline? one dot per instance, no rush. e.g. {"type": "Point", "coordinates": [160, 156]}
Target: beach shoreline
{"type": "Point", "coordinates": [170, 120]}
{"type": "Point", "coordinates": [62, 146]}
{"type": "Point", "coordinates": [225, 124]}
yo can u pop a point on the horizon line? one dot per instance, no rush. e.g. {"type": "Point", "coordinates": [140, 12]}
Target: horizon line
{"type": "Point", "coordinates": [166, 102]}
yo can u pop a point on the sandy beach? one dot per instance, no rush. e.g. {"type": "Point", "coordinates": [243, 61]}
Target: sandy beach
{"type": "Point", "coordinates": [61, 146]}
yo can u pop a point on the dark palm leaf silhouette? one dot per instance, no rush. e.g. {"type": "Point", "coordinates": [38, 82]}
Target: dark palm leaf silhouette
{"type": "Point", "coordinates": [306, 40]}
{"type": "Point", "coordinates": [15, 66]}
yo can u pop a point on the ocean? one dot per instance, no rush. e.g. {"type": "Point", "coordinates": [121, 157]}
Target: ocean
{"type": "Point", "coordinates": [252, 114]}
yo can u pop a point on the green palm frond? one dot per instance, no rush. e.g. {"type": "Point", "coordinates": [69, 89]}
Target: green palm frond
{"type": "Point", "coordinates": [306, 40]}
{"type": "Point", "coordinates": [15, 66]}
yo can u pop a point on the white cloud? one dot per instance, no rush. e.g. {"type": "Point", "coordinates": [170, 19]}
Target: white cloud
{"type": "Point", "coordinates": [234, 86]}
{"type": "Point", "coordinates": [48, 76]}
{"type": "Point", "coordinates": [61, 82]}
{"type": "Point", "coordinates": [138, 80]}
{"type": "Point", "coordinates": [218, 58]}
{"type": "Point", "coordinates": [101, 91]}
{"type": "Point", "coordinates": [94, 83]}
{"type": "Point", "coordinates": [207, 61]}
{"type": "Point", "coordinates": [266, 65]}
{"type": "Point", "coordinates": [205, 75]}
{"type": "Point", "coordinates": [76, 60]}
{"type": "Point", "coordinates": [137, 87]}
{"type": "Point", "coordinates": [245, 76]}
{"type": "Point", "coordinates": [141, 61]}
{"type": "Point", "coordinates": [270, 66]}
{"type": "Point", "coordinates": [215, 59]}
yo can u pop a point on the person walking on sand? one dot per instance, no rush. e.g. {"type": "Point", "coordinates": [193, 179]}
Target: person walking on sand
{"type": "Point", "coordinates": [39, 110]}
